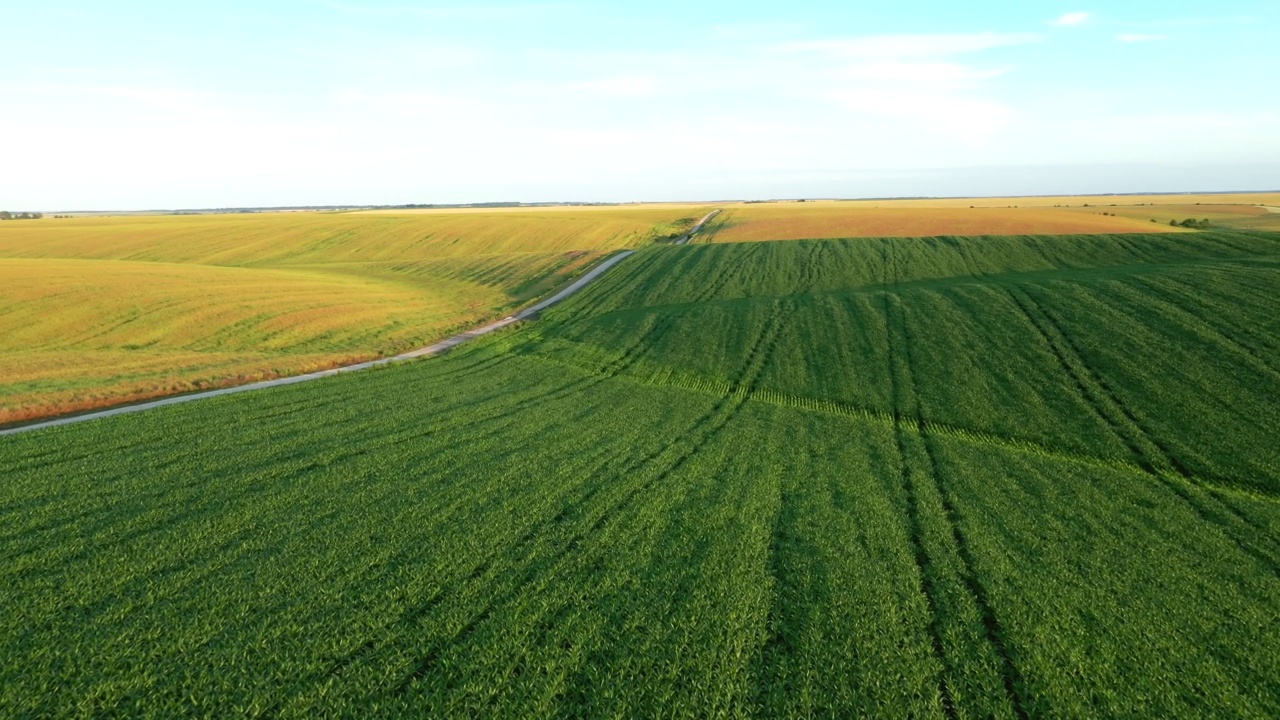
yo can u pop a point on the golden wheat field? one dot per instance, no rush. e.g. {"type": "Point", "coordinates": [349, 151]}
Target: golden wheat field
{"type": "Point", "coordinates": [798, 221]}
{"type": "Point", "coordinates": [1258, 198]}
{"type": "Point", "coordinates": [1237, 216]}
{"type": "Point", "coordinates": [99, 311]}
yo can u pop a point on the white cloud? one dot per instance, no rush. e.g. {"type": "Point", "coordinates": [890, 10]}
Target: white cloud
{"type": "Point", "coordinates": [906, 46]}
{"type": "Point", "coordinates": [1138, 37]}
{"type": "Point", "coordinates": [1072, 19]}
{"type": "Point", "coordinates": [936, 113]}
{"type": "Point", "coordinates": [141, 98]}
{"type": "Point", "coordinates": [410, 102]}
{"type": "Point", "coordinates": [626, 86]}
{"type": "Point", "coordinates": [513, 12]}
{"type": "Point", "coordinates": [896, 87]}
{"type": "Point", "coordinates": [615, 87]}
{"type": "Point", "coordinates": [758, 30]}
{"type": "Point", "coordinates": [930, 72]}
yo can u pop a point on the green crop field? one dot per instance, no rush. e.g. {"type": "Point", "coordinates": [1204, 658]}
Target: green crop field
{"type": "Point", "coordinates": [930, 477]}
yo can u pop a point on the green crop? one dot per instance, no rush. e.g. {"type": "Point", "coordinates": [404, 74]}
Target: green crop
{"type": "Point", "coordinates": [941, 477]}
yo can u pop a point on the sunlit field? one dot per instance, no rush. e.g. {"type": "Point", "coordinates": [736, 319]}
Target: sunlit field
{"type": "Point", "coordinates": [991, 477]}
{"type": "Point", "coordinates": [813, 220]}
{"type": "Point", "coordinates": [98, 311]}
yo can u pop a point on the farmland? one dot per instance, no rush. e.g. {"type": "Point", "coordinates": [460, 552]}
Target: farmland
{"type": "Point", "coordinates": [929, 217]}
{"type": "Point", "coordinates": [1053, 201]}
{"type": "Point", "coordinates": [1237, 216]}
{"type": "Point", "coordinates": [98, 311]}
{"type": "Point", "coordinates": [802, 221]}
{"type": "Point", "coordinates": [940, 477]}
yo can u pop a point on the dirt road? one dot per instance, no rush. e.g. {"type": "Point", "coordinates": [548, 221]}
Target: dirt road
{"type": "Point", "coordinates": [433, 349]}
{"type": "Point", "coordinates": [697, 228]}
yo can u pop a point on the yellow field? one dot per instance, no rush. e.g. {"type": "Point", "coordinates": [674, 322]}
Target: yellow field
{"type": "Point", "coordinates": [1078, 200]}
{"type": "Point", "coordinates": [1245, 217]}
{"type": "Point", "coordinates": [99, 311]}
{"type": "Point", "coordinates": [795, 221]}
{"type": "Point", "coordinates": [927, 217]}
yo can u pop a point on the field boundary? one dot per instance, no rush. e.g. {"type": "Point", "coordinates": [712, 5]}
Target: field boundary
{"type": "Point", "coordinates": [433, 349]}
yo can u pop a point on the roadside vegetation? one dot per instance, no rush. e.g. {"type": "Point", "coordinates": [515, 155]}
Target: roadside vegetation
{"type": "Point", "coordinates": [944, 477]}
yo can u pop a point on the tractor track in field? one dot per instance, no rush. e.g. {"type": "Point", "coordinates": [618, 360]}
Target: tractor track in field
{"type": "Point", "coordinates": [437, 348]}
{"type": "Point", "coordinates": [1152, 456]}
{"type": "Point", "coordinates": [669, 459]}
{"type": "Point", "coordinates": [927, 586]}
{"type": "Point", "coordinates": [909, 416]}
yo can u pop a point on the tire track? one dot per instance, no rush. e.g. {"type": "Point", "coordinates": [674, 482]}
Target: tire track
{"type": "Point", "coordinates": [1194, 320]}
{"type": "Point", "coordinates": [1169, 298]}
{"type": "Point", "coordinates": [702, 432]}
{"type": "Point", "coordinates": [1153, 457]}
{"type": "Point", "coordinates": [928, 585]}
{"type": "Point", "coordinates": [908, 417]}
{"type": "Point", "coordinates": [1014, 682]}
{"type": "Point", "coordinates": [482, 566]}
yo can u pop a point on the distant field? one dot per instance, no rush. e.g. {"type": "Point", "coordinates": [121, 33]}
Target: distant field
{"type": "Point", "coordinates": [932, 217]}
{"type": "Point", "coordinates": [1092, 200]}
{"type": "Point", "coordinates": [1240, 217]}
{"type": "Point", "coordinates": [979, 477]}
{"type": "Point", "coordinates": [799, 221]}
{"type": "Point", "coordinates": [98, 311]}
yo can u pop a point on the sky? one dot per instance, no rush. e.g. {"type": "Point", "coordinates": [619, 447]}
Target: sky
{"type": "Point", "coordinates": [149, 105]}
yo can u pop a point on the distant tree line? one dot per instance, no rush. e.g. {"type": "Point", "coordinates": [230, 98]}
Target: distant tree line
{"type": "Point", "coordinates": [1190, 223]}
{"type": "Point", "coordinates": [6, 215]}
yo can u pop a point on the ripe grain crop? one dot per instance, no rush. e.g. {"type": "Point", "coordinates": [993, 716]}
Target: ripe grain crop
{"type": "Point", "coordinates": [936, 477]}
{"type": "Point", "coordinates": [99, 311]}
{"type": "Point", "coordinates": [1051, 201]}
{"type": "Point", "coordinates": [800, 221]}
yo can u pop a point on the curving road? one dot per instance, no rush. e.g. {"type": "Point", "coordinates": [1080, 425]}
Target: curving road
{"type": "Point", "coordinates": [433, 349]}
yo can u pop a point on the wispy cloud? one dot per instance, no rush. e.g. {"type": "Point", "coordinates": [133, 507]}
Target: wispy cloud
{"type": "Point", "coordinates": [151, 98]}
{"type": "Point", "coordinates": [1139, 37]}
{"type": "Point", "coordinates": [936, 111]}
{"type": "Point", "coordinates": [906, 81]}
{"type": "Point", "coordinates": [936, 73]}
{"type": "Point", "coordinates": [619, 87]}
{"type": "Point", "coordinates": [758, 30]}
{"type": "Point", "coordinates": [907, 46]}
{"type": "Point", "coordinates": [508, 12]}
{"type": "Point", "coordinates": [1071, 19]}
{"type": "Point", "coordinates": [627, 86]}
{"type": "Point", "coordinates": [1196, 21]}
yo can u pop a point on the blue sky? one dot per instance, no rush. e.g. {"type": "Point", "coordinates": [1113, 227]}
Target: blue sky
{"type": "Point", "coordinates": [162, 105]}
